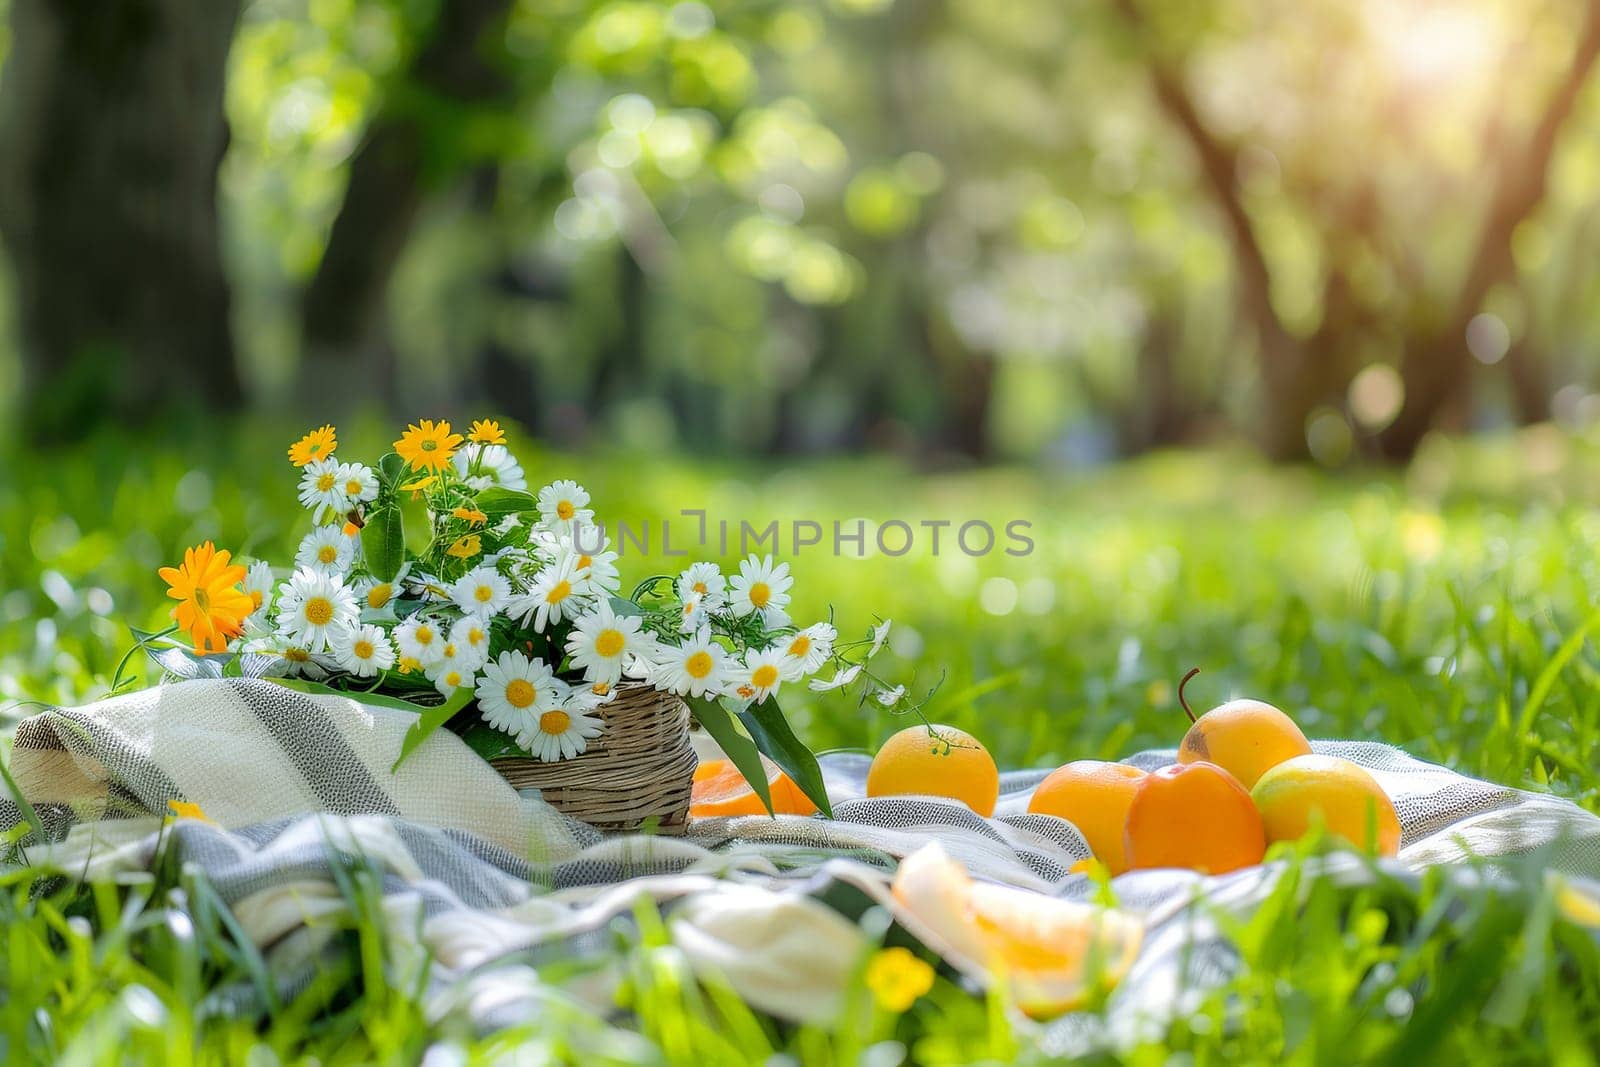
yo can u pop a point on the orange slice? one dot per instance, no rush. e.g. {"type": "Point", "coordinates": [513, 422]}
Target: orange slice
{"type": "Point", "coordinates": [719, 789]}
{"type": "Point", "coordinates": [1050, 954]}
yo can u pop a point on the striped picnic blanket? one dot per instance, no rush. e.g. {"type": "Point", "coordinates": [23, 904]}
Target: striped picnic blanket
{"type": "Point", "coordinates": [492, 883]}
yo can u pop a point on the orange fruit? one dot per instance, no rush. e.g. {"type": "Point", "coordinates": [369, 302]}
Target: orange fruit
{"type": "Point", "coordinates": [1093, 796]}
{"type": "Point", "coordinates": [937, 761]}
{"type": "Point", "coordinates": [1193, 815]}
{"type": "Point", "coordinates": [1244, 737]}
{"type": "Point", "coordinates": [719, 789]}
{"type": "Point", "coordinates": [1051, 953]}
{"type": "Point", "coordinates": [1349, 803]}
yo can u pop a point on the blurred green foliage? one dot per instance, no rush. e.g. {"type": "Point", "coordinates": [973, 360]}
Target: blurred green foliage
{"type": "Point", "coordinates": [948, 226]}
{"type": "Point", "coordinates": [1425, 611]}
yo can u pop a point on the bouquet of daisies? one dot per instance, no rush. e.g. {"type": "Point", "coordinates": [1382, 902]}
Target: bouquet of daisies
{"type": "Point", "coordinates": [435, 578]}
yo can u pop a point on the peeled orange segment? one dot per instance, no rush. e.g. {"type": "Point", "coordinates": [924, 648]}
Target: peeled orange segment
{"type": "Point", "coordinates": [720, 790]}
{"type": "Point", "coordinates": [1051, 954]}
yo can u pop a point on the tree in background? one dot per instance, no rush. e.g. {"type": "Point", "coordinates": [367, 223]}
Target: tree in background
{"type": "Point", "coordinates": [954, 227]}
{"type": "Point", "coordinates": [111, 133]}
{"type": "Point", "coordinates": [1364, 110]}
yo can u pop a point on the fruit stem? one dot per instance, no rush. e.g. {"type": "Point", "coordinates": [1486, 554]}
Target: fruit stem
{"type": "Point", "coordinates": [1186, 709]}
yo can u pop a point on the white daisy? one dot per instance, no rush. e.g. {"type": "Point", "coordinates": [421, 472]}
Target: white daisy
{"type": "Point", "coordinates": [561, 505]}
{"type": "Point", "coordinates": [290, 659]}
{"type": "Point", "coordinates": [326, 550]}
{"type": "Point", "coordinates": [692, 613]}
{"type": "Point", "coordinates": [880, 634]}
{"type": "Point", "coordinates": [805, 652]}
{"type": "Point", "coordinates": [311, 606]}
{"type": "Point", "coordinates": [515, 691]}
{"type": "Point", "coordinates": [453, 654]}
{"type": "Point", "coordinates": [471, 638]}
{"type": "Point", "coordinates": [890, 697]}
{"type": "Point", "coordinates": [602, 641]}
{"type": "Point", "coordinates": [759, 586]}
{"type": "Point", "coordinates": [363, 650]}
{"type": "Point", "coordinates": [593, 573]}
{"type": "Point", "coordinates": [698, 667]}
{"type": "Point", "coordinates": [482, 591]}
{"type": "Point", "coordinates": [561, 733]}
{"type": "Point", "coordinates": [258, 584]}
{"type": "Point", "coordinates": [358, 483]}
{"type": "Point", "coordinates": [761, 673]}
{"type": "Point", "coordinates": [483, 466]}
{"type": "Point", "coordinates": [373, 595]}
{"type": "Point", "coordinates": [421, 640]}
{"type": "Point", "coordinates": [322, 487]}
{"type": "Point", "coordinates": [551, 598]}
{"type": "Point", "coordinates": [448, 677]}
{"type": "Point", "coordinates": [706, 581]}
{"type": "Point", "coordinates": [300, 662]}
{"type": "Point", "coordinates": [838, 681]}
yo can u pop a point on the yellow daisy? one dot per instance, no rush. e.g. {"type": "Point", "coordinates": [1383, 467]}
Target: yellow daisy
{"type": "Point", "coordinates": [465, 547]}
{"type": "Point", "coordinates": [487, 432]}
{"type": "Point", "coordinates": [318, 444]}
{"type": "Point", "coordinates": [428, 445]}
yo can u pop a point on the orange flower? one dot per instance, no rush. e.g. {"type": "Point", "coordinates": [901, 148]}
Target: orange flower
{"type": "Point", "coordinates": [428, 445]}
{"type": "Point", "coordinates": [318, 444]}
{"type": "Point", "coordinates": [487, 432]}
{"type": "Point", "coordinates": [472, 515]}
{"type": "Point", "coordinates": [211, 606]}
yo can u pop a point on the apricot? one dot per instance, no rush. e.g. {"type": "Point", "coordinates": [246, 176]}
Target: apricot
{"type": "Point", "coordinates": [1051, 953]}
{"type": "Point", "coordinates": [1244, 737]}
{"type": "Point", "coordinates": [1342, 796]}
{"type": "Point", "coordinates": [1193, 815]}
{"type": "Point", "coordinates": [1093, 796]}
{"type": "Point", "coordinates": [938, 761]}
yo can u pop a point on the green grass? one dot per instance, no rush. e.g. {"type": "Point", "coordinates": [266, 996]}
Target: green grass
{"type": "Point", "coordinates": [1446, 610]}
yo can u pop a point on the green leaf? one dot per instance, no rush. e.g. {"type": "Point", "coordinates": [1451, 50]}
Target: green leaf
{"type": "Point", "coordinates": [416, 522]}
{"type": "Point", "coordinates": [490, 743]}
{"type": "Point", "coordinates": [390, 467]}
{"type": "Point", "coordinates": [777, 741]}
{"type": "Point", "coordinates": [383, 543]}
{"type": "Point", "coordinates": [716, 721]}
{"type": "Point", "coordinates": [376, 700]}
{"type": "Point", "coordinates": [429, 721]}
{"type": "Point", "coordinates": [497, 503]}
{"type": "Point", "coordinates": [624, 607]}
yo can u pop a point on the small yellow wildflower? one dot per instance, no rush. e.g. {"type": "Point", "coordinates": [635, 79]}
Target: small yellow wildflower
{"type": "Point", "coordinates": [318, 444]}
{"type": "Point", "coordinates": [472, 515]}
{"type": "Point", "coordinates": [182, 809]}
{"type": "Point", "coordinates": [897, 977]}
{"type": "Point", "coordinates": [465, 547]}
{"type": "Point", "coordinates": [408, 665]}
{"type": "Point", "coordinates": [487, 432]}
{"type": "Point", "coordinates": [428, 445]}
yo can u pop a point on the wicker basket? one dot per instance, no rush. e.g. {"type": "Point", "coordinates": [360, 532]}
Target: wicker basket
{"type": "Point", "coordinates": [637, 774]}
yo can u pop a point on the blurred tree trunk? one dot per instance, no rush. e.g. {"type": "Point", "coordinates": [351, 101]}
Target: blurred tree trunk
{"type": "Point", "coordinates": [1436, 366]}
{"type": "Point", "coordinates": [1300, 374]}
{"type": "Point", "coordinates": [111, 133]}
{"type": "Point", "coordinates": [405, 155]}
